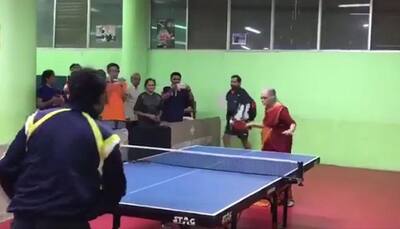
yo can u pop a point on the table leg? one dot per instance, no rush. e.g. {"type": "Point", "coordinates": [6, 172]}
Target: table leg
{"type": "Point", "coordinates": [234, 221]}
{"type": "Point", "coordinates": [274, 210]}
{"type": "Point", "coordinates": [285, 207]}
{"type": "Point", "coordinates": [116, 221]}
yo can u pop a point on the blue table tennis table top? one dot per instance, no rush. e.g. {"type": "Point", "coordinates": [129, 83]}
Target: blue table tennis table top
{"type": "Point", "coordinates": [197, 191]}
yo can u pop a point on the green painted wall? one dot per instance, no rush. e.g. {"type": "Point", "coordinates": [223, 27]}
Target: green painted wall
{"type": "Point", "coordinates": [135, 40]}
{"type": "Point", "coordinates": [346, 104]}
{"type": "Point", "coordinates": [60, 59]}
{"type": "Point", "coordinates": [17, 64]}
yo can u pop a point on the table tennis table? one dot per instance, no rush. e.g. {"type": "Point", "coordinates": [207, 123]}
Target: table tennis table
{"type": "Point", "coordinates": [209, 186]}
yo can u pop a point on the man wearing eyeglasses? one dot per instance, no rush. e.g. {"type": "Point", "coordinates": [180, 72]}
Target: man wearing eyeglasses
{"type": "Point", "coordinates": [114, 112]}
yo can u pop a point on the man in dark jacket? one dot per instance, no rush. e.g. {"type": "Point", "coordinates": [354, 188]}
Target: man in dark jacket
{"type": "Point", "coordinates": [240, 107]}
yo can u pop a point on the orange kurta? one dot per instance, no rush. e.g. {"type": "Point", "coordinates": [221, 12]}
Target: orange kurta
{"type": "Point", "coordinates": [114, 108]}
{"type": "Point", "coordinates": [277, 119]}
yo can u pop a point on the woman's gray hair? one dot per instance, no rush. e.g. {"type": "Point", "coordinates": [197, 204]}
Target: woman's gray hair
{"type": "Point", "coordinates": [271, 92]}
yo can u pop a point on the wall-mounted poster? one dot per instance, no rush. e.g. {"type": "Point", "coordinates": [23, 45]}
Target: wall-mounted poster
{"type": "Point", "coordinates": [106, 33]}
{"type": "Point", "coordinates": [239, 38]}
{"type": "Point", "coordinates": [166, 33]}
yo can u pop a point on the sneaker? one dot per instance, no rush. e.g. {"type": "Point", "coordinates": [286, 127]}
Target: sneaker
{"type": "Point", "coordinates": [263, 203]}
{"type": "Point", "coordinates": [290, 203]}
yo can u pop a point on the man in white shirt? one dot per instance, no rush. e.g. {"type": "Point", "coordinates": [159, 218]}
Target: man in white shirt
{"type": "Point", "coordinates": [132, 94]}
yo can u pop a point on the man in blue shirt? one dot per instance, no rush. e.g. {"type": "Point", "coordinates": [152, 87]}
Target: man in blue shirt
{"type": "Point", "coordinates": [47, 95]}
{"type": "Point", "coordinates": [176, 100]}
{"type": "Point", "coordinates": [63, 168]}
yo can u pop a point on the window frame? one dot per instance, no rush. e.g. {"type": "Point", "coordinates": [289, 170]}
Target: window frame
{"type": "Point", "coordinates": [88, 28]}
{"type": "Point", "coordinates": [272, 27]}
{"type": "Point", "coordinates": [228, 30]}
{"type": "Point", "coordinates": [150, 24]}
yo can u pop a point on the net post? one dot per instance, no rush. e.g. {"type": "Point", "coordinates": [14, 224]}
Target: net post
{"type": "Point", "coordinates": [116, 220]}
{"type": "Point", "coordinates": [300, 172]}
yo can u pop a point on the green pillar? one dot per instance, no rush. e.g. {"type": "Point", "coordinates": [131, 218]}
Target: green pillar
{"type": "Point", "coordinates": [17, 64]}
{"type": "Point", "coordinates": [135, 30]}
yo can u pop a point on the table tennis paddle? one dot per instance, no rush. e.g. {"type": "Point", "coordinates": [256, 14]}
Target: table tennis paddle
{"type": "Point", "coordinates": [239, 126]}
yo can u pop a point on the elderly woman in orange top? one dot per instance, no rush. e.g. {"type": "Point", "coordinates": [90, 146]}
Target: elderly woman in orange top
{"type": "Point", "coordinates": [278, 127]}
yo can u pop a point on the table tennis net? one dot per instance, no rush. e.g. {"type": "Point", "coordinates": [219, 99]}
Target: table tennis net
{"type": "Point", "coordinates": [225, 162]}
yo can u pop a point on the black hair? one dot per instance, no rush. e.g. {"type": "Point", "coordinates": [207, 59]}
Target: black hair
{"type": "Point", "coordinates": [46, 75]}
{"type": "Point", "coordinates": [110, 65]}
{"type": "Point", "coordinates": [102, 73]}
{"type": "Point", "coordinates": [86, 87]}
{"type": "Point", "coordinates": [74, 65]}
{"type": "Point", "coordinates": [148, 81]}
{"type": "Point", "coordinates": [176, 74]}
{"type": "Point", "coordinates": [237, 77]}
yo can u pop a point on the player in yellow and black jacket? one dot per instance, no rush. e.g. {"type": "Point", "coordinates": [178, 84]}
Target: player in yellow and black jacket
{"type": "Point", "coordinates": [63, 168]}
